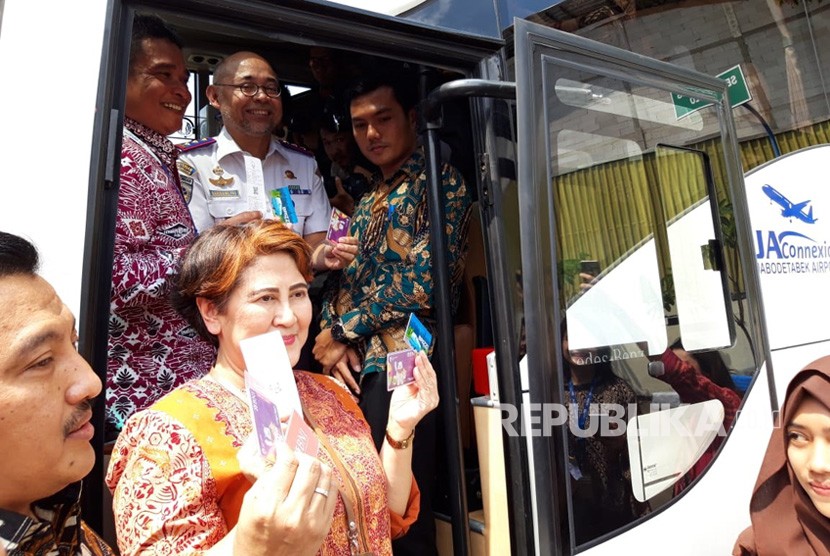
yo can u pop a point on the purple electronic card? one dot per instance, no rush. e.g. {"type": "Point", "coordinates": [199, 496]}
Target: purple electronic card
{"type": "Point", "coordinates": [400, 368]}
{"type": "Point", "coordinates": [338, 226]}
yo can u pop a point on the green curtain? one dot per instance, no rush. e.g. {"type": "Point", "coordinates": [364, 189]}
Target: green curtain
{"type": "Point", "coordinates": [606, 210]}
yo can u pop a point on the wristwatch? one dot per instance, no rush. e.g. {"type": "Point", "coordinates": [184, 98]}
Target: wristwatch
{"type": "Point", "coordinates": [400, 444]}
{"type": "Point", "coordinates": [338, 333]}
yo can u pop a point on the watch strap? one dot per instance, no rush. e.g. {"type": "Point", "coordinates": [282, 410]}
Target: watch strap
{"type": "Point", "coordinates": [338, 333]}
{"type": "Point", "coordinates": [400, 444]}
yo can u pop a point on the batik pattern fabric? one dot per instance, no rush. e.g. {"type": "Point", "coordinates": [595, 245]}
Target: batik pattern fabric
{"type": "Point", "coordinates": [603, 498]}
{"type": "Point", "coordinates": [152, 349]}
{"type": "Point", "coordinates": [391, 275]}
{"type": "Point", "coordinates": [57, 529]}
{"type": "Point", "coordinates": [177, 487]}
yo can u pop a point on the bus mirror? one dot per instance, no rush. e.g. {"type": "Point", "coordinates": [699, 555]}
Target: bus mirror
{"type": "Point", "coordinates": [656, 369]}
{"type": "Point", "coordinates": [711, 255]}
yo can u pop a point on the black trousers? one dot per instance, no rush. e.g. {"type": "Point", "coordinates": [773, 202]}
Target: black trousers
{"type": "Point", "coordinates": [374, 401]}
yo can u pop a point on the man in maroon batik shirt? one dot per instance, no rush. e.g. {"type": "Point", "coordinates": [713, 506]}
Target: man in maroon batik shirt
{"type": "Point", "coordinates": [151, 347]}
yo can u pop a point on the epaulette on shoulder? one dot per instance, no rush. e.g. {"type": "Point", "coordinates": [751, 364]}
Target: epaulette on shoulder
{"type": "Point", "coordinates": [296, 148]}
{"type": "Point", "coordinates": [195, 144]}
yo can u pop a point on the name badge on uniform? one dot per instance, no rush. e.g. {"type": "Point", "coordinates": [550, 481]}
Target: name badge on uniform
{"type": "Point", "coordinates": [294, 188]}
{"type": "Point", "coordinates": [298, 190]}
{"type": "Point", "coordinates": [224, 193]}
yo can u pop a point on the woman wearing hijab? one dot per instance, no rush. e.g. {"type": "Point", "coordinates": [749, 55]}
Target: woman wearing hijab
{"type": "Point", "coordinates": [790, 506]}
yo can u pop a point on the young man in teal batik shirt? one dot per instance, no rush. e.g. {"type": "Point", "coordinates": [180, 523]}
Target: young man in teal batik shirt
{"type": "Point", "coordinates": [391, 276]}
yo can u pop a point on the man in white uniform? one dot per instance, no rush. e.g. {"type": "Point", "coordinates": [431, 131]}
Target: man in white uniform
{"type": "Point", "coordinates": [245, 168]}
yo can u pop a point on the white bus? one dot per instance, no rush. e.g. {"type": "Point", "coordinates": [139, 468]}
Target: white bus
{"type": "Point", "coordinates": [577, 150]}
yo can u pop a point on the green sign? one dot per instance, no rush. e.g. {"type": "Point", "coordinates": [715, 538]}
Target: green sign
{"type": "Point", "coordinates": [738, 94]}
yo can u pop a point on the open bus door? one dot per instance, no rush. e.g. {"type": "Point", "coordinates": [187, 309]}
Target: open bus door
{"type": "Point", "coordinates": [615, 164]}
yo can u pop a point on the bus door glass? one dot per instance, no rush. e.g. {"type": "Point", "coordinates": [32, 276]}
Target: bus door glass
{"type": "Point", "coordinates": [627, 273]}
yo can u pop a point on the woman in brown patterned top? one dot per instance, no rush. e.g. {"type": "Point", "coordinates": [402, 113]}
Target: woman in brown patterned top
{"type": "Point", "coordinates": [598, 464]}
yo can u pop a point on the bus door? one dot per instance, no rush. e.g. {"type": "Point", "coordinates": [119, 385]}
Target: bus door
{"type": "Point", "coordinates": [633, 254]}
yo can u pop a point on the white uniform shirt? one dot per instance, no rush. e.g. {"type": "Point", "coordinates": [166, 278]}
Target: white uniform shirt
{"type": "Point", "coordinates": [220, 180]}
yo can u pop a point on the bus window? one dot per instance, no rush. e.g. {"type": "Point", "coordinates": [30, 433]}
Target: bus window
{"type": "Point", "coordinates": [697, 276]}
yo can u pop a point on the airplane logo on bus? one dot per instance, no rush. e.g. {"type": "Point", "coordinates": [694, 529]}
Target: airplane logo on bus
{"type": "Point", "coordinates": [788, 208]}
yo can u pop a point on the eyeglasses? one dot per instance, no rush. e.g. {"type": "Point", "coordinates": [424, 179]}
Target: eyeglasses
{"type": "Point", "coordinates": [252, 89]}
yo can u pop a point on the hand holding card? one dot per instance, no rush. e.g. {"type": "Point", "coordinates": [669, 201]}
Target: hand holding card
{"type": "Point", "coordinates": [338, 225]}
{"type": "Point", "coordinates": [407, 406]}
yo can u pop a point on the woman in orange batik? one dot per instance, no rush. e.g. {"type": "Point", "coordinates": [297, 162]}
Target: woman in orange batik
{"type": "Point", "coordinates": [175, 475]}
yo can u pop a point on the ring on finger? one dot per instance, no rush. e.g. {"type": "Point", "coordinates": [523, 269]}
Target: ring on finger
{"type": "Point", "coordinates": [322, 491]}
